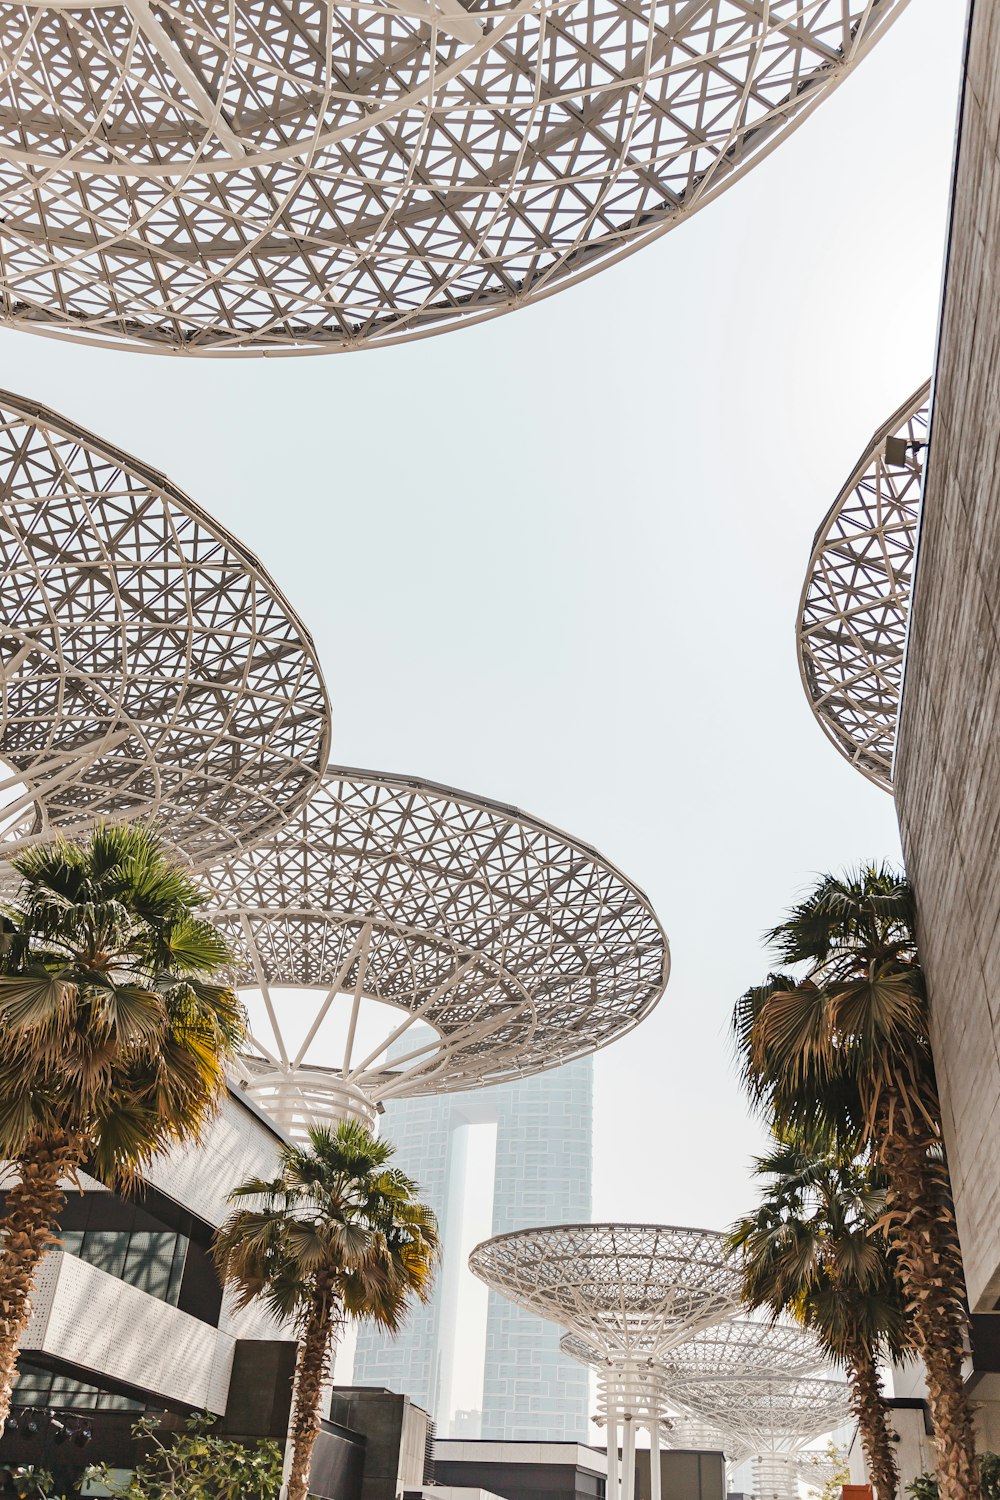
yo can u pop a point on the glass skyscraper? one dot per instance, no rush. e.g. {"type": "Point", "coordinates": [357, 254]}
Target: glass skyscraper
{"type": "Point", "coordinates": [543, 1175]}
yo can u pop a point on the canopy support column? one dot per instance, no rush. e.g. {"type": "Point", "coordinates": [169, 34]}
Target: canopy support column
{"type": "Point", "coordinates": [654, 1460]}
{"type": "Point", "coordinates": [628, 1458]}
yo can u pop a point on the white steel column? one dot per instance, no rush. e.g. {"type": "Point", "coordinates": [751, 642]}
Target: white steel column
{"type": "Point", "coordinates": [614, 1472]}
{"type": "Point", "coordinates": [654, 1460]}
{"type": "Point", "coordinates": [628, 1458]}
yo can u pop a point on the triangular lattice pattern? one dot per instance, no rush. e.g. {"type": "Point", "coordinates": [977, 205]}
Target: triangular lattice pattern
{"type": "Point", "coordinates": [856, 601]}
{"type": "Point", "coordinates": [514, 945]}
{"type": "Point", "coordinates": [224, 176]}
{"type": "Point", "coordinates": [767, 1414]}
{"type": "Point", "coordinates": [625, 1290]}
{"type": "Point", "coordinates": [149, 665]}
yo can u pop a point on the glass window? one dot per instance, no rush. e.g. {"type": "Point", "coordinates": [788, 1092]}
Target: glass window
{"type": "Point", "coordinates": [155, 1264]}
{"type": "Point", "coordinates": [106, 1249]}
{"type": "Point", "coordinates": [41, 1388]}
{"type": "Point", "coordinates": [152, 1260]}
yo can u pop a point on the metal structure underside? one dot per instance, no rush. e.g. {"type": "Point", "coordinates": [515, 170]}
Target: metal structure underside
{"type": "Point", "coordinates": [683, 1431]}
{"type": "Point", "coordinates": [766, 1414]}
{"type": "Point", "coordinates": [629, 1291]}
{"type": "Point", "coordinates": [285, 176]}
{"type": "Point", "coordinates": [736, 1346]}
{"type": "Point", "coordinates": [148, 665]}
{"type": "Point", "coordinates": [856, 601]}
{"type": "Point", "coordinates": [497, 946]}
{"type": "Point", "coordinates": [642, 1388]}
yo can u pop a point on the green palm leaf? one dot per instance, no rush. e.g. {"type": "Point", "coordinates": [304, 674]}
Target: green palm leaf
{"type": "Point", "coordinates": [35, 997]}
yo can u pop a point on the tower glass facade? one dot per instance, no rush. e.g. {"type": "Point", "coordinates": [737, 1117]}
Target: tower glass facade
{"type": "Point", "coordinates": [543, 1175]}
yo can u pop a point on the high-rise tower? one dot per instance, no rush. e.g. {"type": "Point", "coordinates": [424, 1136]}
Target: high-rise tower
{"type": "Point", "coordinates": [542, 1175]}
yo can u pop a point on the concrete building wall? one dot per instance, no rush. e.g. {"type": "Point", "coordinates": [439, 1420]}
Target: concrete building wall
{"type": "Point", "coordinates": [947, 772]}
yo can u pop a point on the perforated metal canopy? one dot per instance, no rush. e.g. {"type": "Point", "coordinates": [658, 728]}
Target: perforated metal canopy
{"type": "Point", "coordinates": [497, 945]}
{"type": "Point", "coordinates": [625, 1290]}
{"type": "Point", "coordinates": [736, 1346]}
{"type": "Point", "coordinates": [769, 1413]}
{"type": "Point", "coordinates": [856, 600]}
{"type": "Point", "coordinates": [148, 664]}
{"type": "Point", "coordinates": [295, 175]}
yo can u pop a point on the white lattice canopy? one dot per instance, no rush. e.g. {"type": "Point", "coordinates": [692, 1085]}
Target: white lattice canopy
{"type": "Point", "coordinates": [643, 1387]}
{"type": "Point", "coordinates": [856, 600]}
{"type": "Point", "coordinates": [736, 1346]}
{"type": "Point", "coordinates": [684, 1431]}
{"type": "Point", "coordinates": [404, 938]}
{"type": "Point", "coordinates": [303, 175]}
{"type": "Point", "coordinates": [767, 1413]}
{"type": "Point", "coordinates": [626, 1291]}
{"type": "Point", "coordinates": [744, 1346]}
{"type": "Point", "coordinates": [148, 664]}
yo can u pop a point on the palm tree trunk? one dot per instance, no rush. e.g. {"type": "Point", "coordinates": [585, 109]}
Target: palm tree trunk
{"type": "Point", "coordinates": [27, 1230]}
{"type": "Point", "coordinates": [921, 1227]}
{"type": "Point", "coordinates": [868, 1403]}
{"type": "Point", "coordinates": [312, 1366]}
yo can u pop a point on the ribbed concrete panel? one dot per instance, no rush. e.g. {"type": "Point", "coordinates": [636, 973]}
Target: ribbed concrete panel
{"type": "Point", "coordinates": [947, 771]}
{"type": "Point", "coordinates": [114, 1330]}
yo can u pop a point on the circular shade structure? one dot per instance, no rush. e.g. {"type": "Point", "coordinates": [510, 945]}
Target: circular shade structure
{"type": "Point", "coordinates": [285, 176]}
{"type": "Point", "coordinates": [744, 1346]}
{"type": "Point", "coordinates": [403, 938]}
{"type": "Point", "coordinates": [627, 1294]}
{"type": "Point", "coordinates": [769, 1417]}
{"type": "Point", "coordinates": [736, 1347]}
{"type": "Point", "coordinates": [856, 601]}
{"type": "Point", "coordinates": [148, 664]}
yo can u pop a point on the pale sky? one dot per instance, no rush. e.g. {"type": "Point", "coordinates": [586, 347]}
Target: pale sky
{"type": "Point", "coordinates": [555, 559]}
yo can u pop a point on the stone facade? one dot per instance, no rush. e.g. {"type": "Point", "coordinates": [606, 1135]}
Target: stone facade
{"type": "Point", "coordinates": [947, 771]}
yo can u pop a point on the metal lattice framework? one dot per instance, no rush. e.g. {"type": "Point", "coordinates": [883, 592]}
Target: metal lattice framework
{"type": "Point", "coordinates": [856, 601]}
{"type": "Point", "coordinates": [768, 1417]}
{"type": "Point", "coordinates": [627, 1294]}
{"type": "Point", "coordinates": [148, 664]}
{"type": "Point", "coordinates": [744, 1346]}
{"type": "Point", "coordinates": [293, 175]}
{"type": "Point", "coordinates": [625, 1290]}
{"type": "Point", "coordinates": [740, 1347]}
{"type": "Point", "coordinates": [502, 946]}
{"type": "Point", "coordinates": [735, 1347]}
{"type": "Point", "coordinates": [778, 1413]}
{"type": "Point", "coordinates": [683, 1431]}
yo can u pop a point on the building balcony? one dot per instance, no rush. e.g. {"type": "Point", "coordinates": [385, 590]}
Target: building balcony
{"type": "Point", "coordinates": [115, 1332]}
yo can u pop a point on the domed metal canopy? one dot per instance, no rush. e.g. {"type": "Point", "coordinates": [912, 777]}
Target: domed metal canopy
{"type": "Point", "coordinates": [625, 1290]}
{"type": "Point", "coordinates": [856, 600]}
{"type": "Point", "coordinates": [148, 664]}
{"type": "Point", "coordinates": [736, 1346]}
{"type": "Point", "coordinates": [684, 1431]}
{"type": "Point", "coordinates": [772, 1412]}
{"type": "Point", "coordinates": [436, 941]}
{"type": "Point", "coordinates": [627, 1294]}
{"type": "Point", "coordinates": [281, 176]}
{"type": "Point", "coordinates": [768, 1417]}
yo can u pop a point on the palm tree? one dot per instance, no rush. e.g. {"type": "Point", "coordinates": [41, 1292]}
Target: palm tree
{"type": "Point", "coordinates": [814, 1249]}
{"type": "Point", "coordinates": [842, 1045]}
{"type": "Point", "coordinates": [114, 1035]}
{"type": "Point", "coordinates": [337, 1233]}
